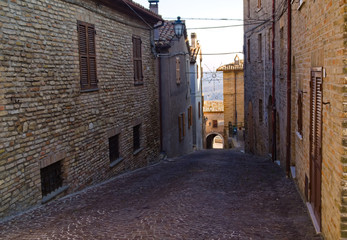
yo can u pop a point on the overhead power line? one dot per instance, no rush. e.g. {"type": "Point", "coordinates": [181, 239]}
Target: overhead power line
{"type": "Point", "coordinates": [227, 26]}
{"type": "Point", "coordinates": [227, 53]}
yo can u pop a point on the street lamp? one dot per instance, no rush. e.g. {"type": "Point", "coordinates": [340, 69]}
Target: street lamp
{"type": "Point", "coordinates": [178, 27]}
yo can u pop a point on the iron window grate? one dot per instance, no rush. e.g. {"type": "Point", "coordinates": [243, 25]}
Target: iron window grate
{"type": "Point", "coordinates": [114, 147]}
{"type": "Point", "coordinates": [51, 178]}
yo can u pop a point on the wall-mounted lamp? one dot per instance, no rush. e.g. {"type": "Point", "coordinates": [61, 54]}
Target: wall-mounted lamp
{"type": "Point", "coordinates": [178, 27]}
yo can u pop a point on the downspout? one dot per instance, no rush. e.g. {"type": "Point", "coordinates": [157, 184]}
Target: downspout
{"type": "Point", "coordinates": [289, 83]}
{"type": "Point", "coordinates": [160, 105]}
{"type": "Point", "coordinates": [273, 85]}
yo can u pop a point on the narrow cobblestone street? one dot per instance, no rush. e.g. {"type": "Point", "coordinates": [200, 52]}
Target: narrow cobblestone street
{"type": "Point", "coordinates": [215, 194]}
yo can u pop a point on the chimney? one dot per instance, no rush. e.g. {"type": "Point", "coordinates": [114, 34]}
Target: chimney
{"type": "Point", "coordinates": [193, 40]}
{"type": "Point", "coordinates": [153, 6]}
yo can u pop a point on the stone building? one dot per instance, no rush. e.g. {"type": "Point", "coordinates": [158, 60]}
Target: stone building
{"type": "Point", "coordinates": [310, 128]}
{"type": "Point", "coordinates": [196, 74]}
{"type": "Point", "coordinates": [214, 122]}
{"type": "Point", "coordinates": [176, 108]}
{"type": "Point", "coordinates": [78, 96]}
{"type": "Point", "coordinates": [233, 99]}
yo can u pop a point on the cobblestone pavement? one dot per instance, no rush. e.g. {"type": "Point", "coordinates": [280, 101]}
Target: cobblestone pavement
{"type": "Point", "coordinates": [215, 194]}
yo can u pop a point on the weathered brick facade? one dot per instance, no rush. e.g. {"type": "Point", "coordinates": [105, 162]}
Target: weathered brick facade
{"type": "Point", "coordinates": [233, 99]}
{"type": "Point", "coordinates": [44, 115]}
{"type": "Point", "coordinates": [318, 44]}
{"type": "Point", "coordinates": [318, 41]}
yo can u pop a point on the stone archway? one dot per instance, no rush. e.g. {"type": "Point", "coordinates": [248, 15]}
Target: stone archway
{"type": "Point", "coordinates": [210, 140]}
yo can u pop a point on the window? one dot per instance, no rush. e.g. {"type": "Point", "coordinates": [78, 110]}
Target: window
{"type": "Point", "coordinates": [270, 42]}
{"type": "Point", "coordinates": [214, 123]}
{"type": "Point", "coordinates": [261, 113]}
{"type": "Point", "coordinates": [190, 116]}
{"type": "Point", "coordinates": [137, 57]}
{"type": "Point", "coordinates": [259, 3]}
{"type": "Point", "coordinates": [199, 110]}
{"type": "Point", "coordinates": [113, 143]}
{"type": "Point", "coordinates": [248, 8]}
{"type": "Point", "coordinates": [249, 50]}
{"type": "Point", "coordinates": [178, 74]}
{"type": "Point", "coordinates": [51, 178]}
{"type": "Point", "coordinates": [300, 112]}
{"type": "Point", "coordinates": [260, 48]}
{"type": "Point", "coordinates": [181, 127]}
{"type": "Point", "coordinates": [197, 71]}
{"type": "Point", "coordinates": [136, 137]}
{"type": "Point", "coordinates": [86, 46]}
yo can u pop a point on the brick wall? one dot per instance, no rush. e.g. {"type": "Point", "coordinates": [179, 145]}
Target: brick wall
{"type": "Point", "coordinates": [44, 117]}
{"type": "Point", "coordinates": [318, 41]}
{"type": "Point", "coordinates": [229, 78]}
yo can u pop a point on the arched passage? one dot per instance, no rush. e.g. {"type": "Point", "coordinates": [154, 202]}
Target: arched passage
{"type": "Point", "coordinates": [213, 139]}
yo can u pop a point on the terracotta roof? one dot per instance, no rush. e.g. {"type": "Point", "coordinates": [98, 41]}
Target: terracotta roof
{"type": "Point", "coordinates": [143, 9]}
{"type": "Point", "coordinates": [167, 34]}
{"type": "Point", "coordinates": [236, 65]}
{"type": "Point", "coordinates": [130, 7]}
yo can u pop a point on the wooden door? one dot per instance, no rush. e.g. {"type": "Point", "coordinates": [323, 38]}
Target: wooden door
{"type": "Point", "coordinates": [316, 141]}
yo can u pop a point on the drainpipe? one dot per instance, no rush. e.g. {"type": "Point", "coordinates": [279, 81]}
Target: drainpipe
{"type": "Point", "coordinates": [160, 105]}
{"type": "Point", "coordinates": [273, 85]}
{"type": "Point", "coordinates": [289, 82]}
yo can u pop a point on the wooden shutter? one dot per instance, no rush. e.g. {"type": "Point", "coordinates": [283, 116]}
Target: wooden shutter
{"type": "Point", "coordinates": [180, 128]}
{"type": "Point", "coordinates": [178, 74]}
{"type": "Point", "coordinates": [87, 53]}
{"type": "Point", "coordinates": [137, 56]}
{"type": "Point", "coordinates": [300, 112]}
{"type": "Point", "coordinates": [199, 111]}
{"type": "Point", "coordinates": [316, 140]}
{"type": "Point", "coordinates": [183, 125]}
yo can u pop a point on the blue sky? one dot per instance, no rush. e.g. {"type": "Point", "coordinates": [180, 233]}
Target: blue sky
{"type": "Point", "coordinates": [220, 40]}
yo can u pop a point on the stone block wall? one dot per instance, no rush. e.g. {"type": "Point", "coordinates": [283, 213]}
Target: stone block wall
{"type": "Point", "coordinates": [319, 41]}
{"type": "Point", "coordinates": [229, 91]}
{"type": "Point", "coordinates": [44, 116]}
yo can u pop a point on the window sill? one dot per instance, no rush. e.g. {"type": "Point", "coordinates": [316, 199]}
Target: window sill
{"type": "Point", "coordinates": [53, 194]}
{"type": "Point", "coordinates": [138, 83]}
{"type": "Point", "coordinates": [301, 5]}
{"type": "Point", "coordinates": [116, 162]}
{"type": "Point", "coordinates": [137, 151]}
{"type": "Point", "coordinates": [89, 90]}
{"type": "Point", "coordinates": [299, 135]}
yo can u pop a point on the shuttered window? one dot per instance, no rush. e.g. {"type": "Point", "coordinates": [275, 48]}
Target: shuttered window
{"type": "Point", "coordinates": [199, 110]}
{"type": "Point", "coordinates": [248, 50]}
{"type": "Point", "coordinates": [87, 54]}
{"type": "Point", "coordinates": [300, 112]}
{"type": "Point", "coordinates": [137, 56]}
{"type": "Point", "coordinates": [190, 116]}
{"type": "Point", "coordinates": [178, 74]}
{"type": "Point", "coordinates": [181, 127]}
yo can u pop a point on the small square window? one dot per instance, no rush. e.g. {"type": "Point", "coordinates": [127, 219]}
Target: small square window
{"type": "Point", "coordinates": [136, 137]}
{"type": "Point", "coordinates": [214, 123]}
{"type": "Point", "coordinates": [114, 147]}
{"type": "Point", "coordinates": [51, 178]}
